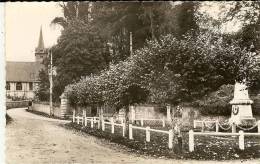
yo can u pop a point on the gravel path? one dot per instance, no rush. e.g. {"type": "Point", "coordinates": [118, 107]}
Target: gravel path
{"type": "Point", "coordinates": [33, 139]}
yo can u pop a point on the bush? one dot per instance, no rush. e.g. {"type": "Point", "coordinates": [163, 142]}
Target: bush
{"type": "Point", "coordinates": [169, 70]}
{"type": "Point", "coordinates": [217, 103]}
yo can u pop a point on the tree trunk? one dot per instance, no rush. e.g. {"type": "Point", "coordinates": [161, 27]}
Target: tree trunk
{"type": "Point", "coordinates": [151, 22]}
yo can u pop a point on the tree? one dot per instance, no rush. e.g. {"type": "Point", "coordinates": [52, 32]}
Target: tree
{"type": "Point", "coordinates": [170, 70]}
{"type": "Point", "coordinates": [42, 93]}
{"type": "Point", "coordinates": [71, 11]}
{"type": "Point", "coordinates": [248, 13]}
{"type": "Point", "coordinates": [146, 20]}
{"type": "Point", "coordinates": [79, 52]}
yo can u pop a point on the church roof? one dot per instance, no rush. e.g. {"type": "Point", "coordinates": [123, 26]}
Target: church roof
{"type": "Point", "coordinates": [40, 46]}
{"type": "Point", "coordinates": [23, 71]}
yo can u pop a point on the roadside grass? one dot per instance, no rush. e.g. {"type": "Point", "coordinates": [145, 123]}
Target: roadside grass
{"type": "Point", "coordinates": [206, 147]}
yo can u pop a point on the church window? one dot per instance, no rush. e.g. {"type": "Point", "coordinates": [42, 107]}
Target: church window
{"type": "Point", "coordinates": [7, 86]}
{"type": "Point", "coordinates": [19, 86]}
{"type": "Point", "coordinates": [30, 86]}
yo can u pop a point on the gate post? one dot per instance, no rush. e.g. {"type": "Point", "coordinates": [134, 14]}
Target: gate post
{"type": "Point", "coordinates": [64, 105]}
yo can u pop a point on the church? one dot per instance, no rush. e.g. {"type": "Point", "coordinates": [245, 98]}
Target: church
{"type": "Point", "coordinates": [22, 78]}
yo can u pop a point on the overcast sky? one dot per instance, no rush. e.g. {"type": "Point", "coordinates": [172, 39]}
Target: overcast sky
{"type": "Point", "coordinates": [23, 22]}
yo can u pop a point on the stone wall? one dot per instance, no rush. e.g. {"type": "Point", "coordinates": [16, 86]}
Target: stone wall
{"type": "Point", "coordinates": [146, 112]}
{"type": "Point", "coordinates": [16, 104]}
{"type": "Point", "coordinates": [45, 108]}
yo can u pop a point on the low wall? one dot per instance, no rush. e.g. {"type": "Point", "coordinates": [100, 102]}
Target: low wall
{"type": "Point", "coordinates": [17, 104]}
{"type": "Point", "coordinates": [45, 108]}
{"type": "Point", "coordinates": [147, 112]}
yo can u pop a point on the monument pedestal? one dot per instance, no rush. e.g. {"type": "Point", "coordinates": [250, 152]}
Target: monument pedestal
{"type": "Point", "coordinates": [241, 106]}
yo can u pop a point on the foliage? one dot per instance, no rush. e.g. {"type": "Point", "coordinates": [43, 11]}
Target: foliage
{"type": "Point", "coordinates": [42, 93]}
{"type": "Point", "coordinates": [248, 13]}
{"type": "Point", "coordinates": [93, 38]}
{"type": "Point", "coordinates": [71, 11]}
{"type": "Point", "coordinates": [79, 52]}
{"type": "Point", "coordinates": [146, 20]}
{"type": "Point", "coordinates": [217, 103]}
{"type": "Point", "coordinates": [168, 70]}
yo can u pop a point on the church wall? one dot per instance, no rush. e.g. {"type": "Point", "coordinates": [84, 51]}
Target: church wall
{"type": "Point", "coordinates": [24, 93]}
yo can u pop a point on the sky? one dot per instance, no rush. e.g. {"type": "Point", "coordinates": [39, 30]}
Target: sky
{"type": "Point", "coordinates": [24, 19]}
{"type": "Point", "coordinates": [22, 28]}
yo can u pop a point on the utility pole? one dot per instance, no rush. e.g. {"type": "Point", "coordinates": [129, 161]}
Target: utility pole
{"type": "Point", "coordinates": [131, 44]}
{"type": "Point", "coordinates": [51, 84]}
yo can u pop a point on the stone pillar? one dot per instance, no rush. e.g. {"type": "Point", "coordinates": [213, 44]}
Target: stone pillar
{"type": "Point", "coordinates": [64, 105]}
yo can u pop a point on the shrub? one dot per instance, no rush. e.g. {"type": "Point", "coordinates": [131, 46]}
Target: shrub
{"type": "Point", "coordinates": [170, 70]}
{"type": "Point", "coordinates": [217, 103]}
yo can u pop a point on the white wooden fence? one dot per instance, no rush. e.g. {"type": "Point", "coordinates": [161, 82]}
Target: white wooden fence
{"type": "Point", "coordinates": [148, 135]}
{"type": "Point", "coordinates": [241, 135]}
{"type": "Point", "coordinates": [84, 120]}
{"type": "Point", "coordinates": [113, 124]}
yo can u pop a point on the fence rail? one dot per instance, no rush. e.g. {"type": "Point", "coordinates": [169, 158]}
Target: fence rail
{"type": "Point", "coordinates": [241, 136]}
{"type": "Point", "coordinates": [148, 134]}
{"type": "Point", "coordinates": [113, 124]}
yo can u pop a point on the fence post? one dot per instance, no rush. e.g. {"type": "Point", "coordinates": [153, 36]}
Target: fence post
{"type": "Point", "coordinates": [163, 122]}
{"type": "Point", "coordinates": [142, 122]}
{"type": "Point", "coordinates": [170, 139]}
{"type": "Point", "coordinates": [103, 125]}
{"type": "Point", "coordinates": [203, 126]}
{"type": "Point", "coordinates": [241, 140]}
{"type": "Point", "coordinates": [132, 113]}
{"type": "Point", "coordinates": [77, 119]}
{"type": "Point", "coordinates": [82, 120]}
{"type": "Point", "coordinates": [73, 116]}
{"type": "Point", "coordinates": [86, 121]}
{"type": "Point", "coordinates": [112, 126]}
{"type": "Point", "coordinates": [130, 132]}
{"type": "Point", "coordinates": [123, 125]}
{"type": "Point", "coordinates": [191, 141]}
{"type": "Point", "coordinates": [92, 123]}
{"type": "Point", "coordinates": [258, 126]}
{"type": "Point", "coordinates": [217, 126]}
{"type": "Point", "coordinates": [233, 127]}
{"type": "Point", "coordinates": [168, 107]}
{"type": "Point", "coordinates": [98, 124]}
{"type": "Point", "coordinates": [84, 113]}
{"type": "Point", "coordinates": [147, 133]}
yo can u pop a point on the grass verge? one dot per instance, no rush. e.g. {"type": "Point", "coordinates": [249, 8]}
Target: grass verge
{"type": "Point", "coordinates": [206, 148]}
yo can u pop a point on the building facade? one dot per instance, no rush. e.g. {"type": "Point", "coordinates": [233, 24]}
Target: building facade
{"type": "Point", "coordinates": [22, 78]}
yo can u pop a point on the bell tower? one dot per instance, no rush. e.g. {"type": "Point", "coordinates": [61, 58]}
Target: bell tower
{"type": "Point", "coordinates": [40, 51]}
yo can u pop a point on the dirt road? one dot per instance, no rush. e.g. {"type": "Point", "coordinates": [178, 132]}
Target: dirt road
{"type": "Point", "coordinates": [33, 139]}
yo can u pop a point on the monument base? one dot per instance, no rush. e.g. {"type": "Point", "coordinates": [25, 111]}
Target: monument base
{"type": "Point", "coordinates": [243, 121]}
{"type": "Point", "coordinates": [242, 115]}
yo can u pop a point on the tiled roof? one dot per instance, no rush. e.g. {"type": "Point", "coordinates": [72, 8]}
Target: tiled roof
{"type": "Point", "coordinates": [23, 71]}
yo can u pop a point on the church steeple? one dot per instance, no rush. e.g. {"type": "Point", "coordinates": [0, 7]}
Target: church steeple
{"type": "Point", "coordinates": [40, 51]}
{"type": "Point", "coordinates": [40, 46]}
